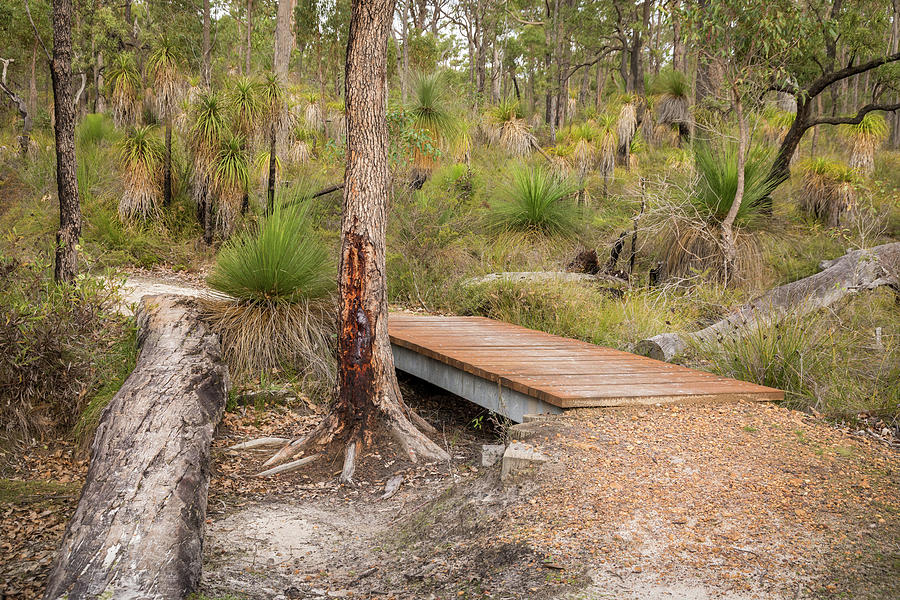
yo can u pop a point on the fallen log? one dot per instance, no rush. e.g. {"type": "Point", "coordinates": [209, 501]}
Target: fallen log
{"type": "Point", "coordinates": [137, 530]}
{"type": "Point", "coordinates": [855, 271]}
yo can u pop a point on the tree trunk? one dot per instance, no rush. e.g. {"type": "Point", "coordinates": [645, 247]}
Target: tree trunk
{"type": "Point", "coordinates": [270, 196]}
{"type": "Point", "coordinates": [32, 80]}
{"type": "Point", "coordinates": [678, 50]}
{"type": "Point", "coordinates": [404, 73]}
{"type": "Point", "coordinates": [138, 528]}
{"type": "Point", "coordinates": [249, 35]}
{"type": "Point", "coordinates": [495, 72]}
{"type": "Point", "coordinates": [167, 166]}
{"type": "Point", "coordinates": [66, 172]}
{"type": "Point", "coordinates": [21, 107]}
{"type": "Point", "coordinates": [206, 48]}
{"type": "Point", "coordinates": [283, 38]}
{"type": "Point", "coordinates": [855, 271]}
{"type": "Point", "coordinates": [368, 394]}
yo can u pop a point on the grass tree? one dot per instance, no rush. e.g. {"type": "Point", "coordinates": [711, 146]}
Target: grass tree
{"type": "Point", "coordinates": [431, 117]}
{"type": "Point", "coordinates": [673, 102]}
{"type": "Point", "coordinates": [125, 89]}
{"type": "Point", "coordinates": [276, 118]}
{"type": "Point", "coordinates": [166, 86]}
{"type": "Point", "coordinates": [827, 190]}
{"type": "Point", "coordinates": [142, 157]}
{"type": "Point", "coordinates": [584, 154]}
{"type": "Point", "coordinates": [280, 281]}
{"type": "Point", "coordinates": [536, 201]}
{"type": "Point", "coordinates": [245, 107]}
{"type": "Point", "coordinates": [865, 137]}
{"type": "Point", "coordinates": [626, 126]}
{"type": "Point", "coordinates": [207, 129]}
{"type": "Point", "coordinates": [607, 142]}
{"type": "Point", "coordinates": [230, 179]}
{"type": "Point", "coordinates": [505, 126]}
{"type": "Point", "coordinates": [693, 245]}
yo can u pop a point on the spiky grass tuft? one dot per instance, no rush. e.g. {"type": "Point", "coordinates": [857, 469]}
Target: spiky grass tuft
{"type": "Point", "coordinates": [141, 154]}
{"type": "Point", "coordinates": [505, 126]}
{"type": "Point", "coordinates": [537, 202]}
{"type": "Point", "coordinates": [828, 190]}
{"type": "Point", "coordinates": [281, 281]}
{"type": "Point", "coordinates": [230, 179]}
{"type": "Point", "coordinates": [674, 94]}
{"type": "Point", "coordinates": [717, 175]}
{"type": "Point", "coordinates": [626, 125]}
{"type": "Point", "coordinates": [163, 71]}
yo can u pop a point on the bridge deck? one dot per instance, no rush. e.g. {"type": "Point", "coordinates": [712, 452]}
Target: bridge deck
{"type": "Point", "coordinates": [471, 356]}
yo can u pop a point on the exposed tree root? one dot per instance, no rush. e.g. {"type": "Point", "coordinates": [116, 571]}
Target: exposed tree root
{"type": "Point", "coordinates": [403, 425]}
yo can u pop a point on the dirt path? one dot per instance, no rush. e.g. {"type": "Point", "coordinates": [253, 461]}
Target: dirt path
{"type": "Point", "coordinates": [739, 501]}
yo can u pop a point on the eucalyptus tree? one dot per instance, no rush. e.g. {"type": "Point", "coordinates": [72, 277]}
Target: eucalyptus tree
{"type": "Point", "coordinates": [831, 47]}
{"type": "Point", "coordinates": [368, 396]}
{"type": "Point", "coordinates": [69, 232]}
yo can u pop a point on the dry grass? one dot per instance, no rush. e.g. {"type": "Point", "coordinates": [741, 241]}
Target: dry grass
{"type": "Point", "coordinates": [262, 337]}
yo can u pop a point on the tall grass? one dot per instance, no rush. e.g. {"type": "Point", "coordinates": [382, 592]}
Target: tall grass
{"type": "Point", "coordinates": [536, 201]}
{"type": "Point", "coordinates": [829, 362]}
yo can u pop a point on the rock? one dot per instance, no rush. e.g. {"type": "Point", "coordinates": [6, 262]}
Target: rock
{"type": "Point", "coordinates": [491, 453]}
{"type": "Point", "coordinates": [519, 458]}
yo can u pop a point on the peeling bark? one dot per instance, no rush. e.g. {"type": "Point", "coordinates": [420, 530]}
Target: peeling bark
{"type": "Point", "coordinates": [855, 271]}
{"type": "Point", "coordinates": [137, 530]}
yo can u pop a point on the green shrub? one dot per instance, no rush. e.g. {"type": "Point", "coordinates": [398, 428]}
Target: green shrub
{"type": "Point", "coordinates": [537, 202]}
{"type": "Point", "coordinates": [59, 347]}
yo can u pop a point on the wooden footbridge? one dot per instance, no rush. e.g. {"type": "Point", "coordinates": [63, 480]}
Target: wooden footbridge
{"type": "Point", "coordinates": [516, 371]}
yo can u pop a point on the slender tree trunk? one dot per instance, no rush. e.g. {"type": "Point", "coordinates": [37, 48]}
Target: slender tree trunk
{"type": "Point", "coordinates": [167, 167]}
{"type": "Point", "coordinates": [404, 74]}
{"type": "Point", "coordinates": [21, 107]}
{"type": "Point", "coordinates": [894, 117]}
{"type": "Point", "coordinates": [249, 36]}
{"type": "Point", "coordinates": [728, 242]}
{"type": "Point", "coordinates": [206, 48]}
{"type": "Point", "coordinates": [99, 104]}
{"type": "Point", "coordinates": [66, 170]}
{"type": "Point", "coordinates": [32, 80]}
{"type": "Point", "coordinates": [601, 83]}
{"type": "Point", "coordinates": [677, 43]}
{"type": "Point", "coordinates": [495, 72]}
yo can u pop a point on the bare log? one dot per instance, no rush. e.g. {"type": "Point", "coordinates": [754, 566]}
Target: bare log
{"type": "Point", "coordinates": [855, 271]}
{"type": "Point", "coordinates": [137, 530]}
